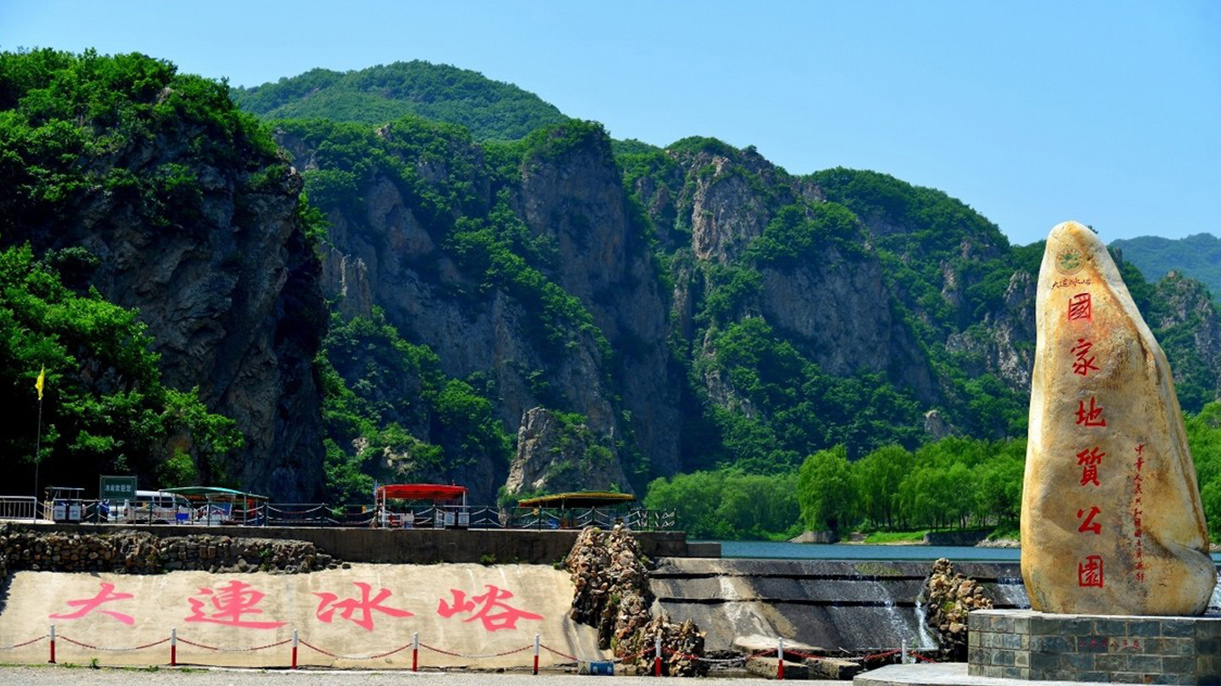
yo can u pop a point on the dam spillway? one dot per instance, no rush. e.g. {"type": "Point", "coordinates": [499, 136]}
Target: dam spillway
{"type": "Point", "coordinates": [828, 604]}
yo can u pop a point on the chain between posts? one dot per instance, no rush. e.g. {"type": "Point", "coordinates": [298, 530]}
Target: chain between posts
{"type": "Point", "coordinates": [415, 645]}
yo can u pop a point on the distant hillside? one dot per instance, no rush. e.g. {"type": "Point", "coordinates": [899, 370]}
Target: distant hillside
{"type": "Point", "coordinates": [1197, 256]}
{"type": "Point", "coordinates": [491, 110]}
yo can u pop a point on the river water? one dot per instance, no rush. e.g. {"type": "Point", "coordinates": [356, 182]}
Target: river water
{"type": "Point", "coordinates": [772, 550]}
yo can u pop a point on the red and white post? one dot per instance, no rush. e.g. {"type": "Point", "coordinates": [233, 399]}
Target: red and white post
{"type": "Point", "coordinates": [536, 653]}
{"type": "Point", "coordinates": [780, 659]}
{"type": "Point", "coordinates": [52, 660]}
{"type": "Point", "coordinates": [415, 652]}
{"type": "Point", "coordinates": [295, 642]}
{"type": "Point", "coordinates": [657, 655]}
{"type": "Point", "coordinates": [173, 647]}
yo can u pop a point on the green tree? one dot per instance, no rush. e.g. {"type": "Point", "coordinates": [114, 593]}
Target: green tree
{"type": "Point", "coordinates": [825, 491]}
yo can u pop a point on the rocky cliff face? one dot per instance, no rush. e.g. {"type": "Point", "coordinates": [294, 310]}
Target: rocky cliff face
{"type": "Point", "coordinates": [229, 291]}
{"type": "Point", "coordinates": [390, 254]}
{"type": "Point", "coordinates": [557, 456]}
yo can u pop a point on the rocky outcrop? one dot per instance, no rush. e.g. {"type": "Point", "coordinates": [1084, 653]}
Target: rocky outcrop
{"type": "Point", "coordinates": [849, 326]}
{"type": "Point", "coordinates": [612, 594]}
{"type": "Point", "coordinates": [950, 597]}
{"type": "Point", "coordinates": [556, 456]}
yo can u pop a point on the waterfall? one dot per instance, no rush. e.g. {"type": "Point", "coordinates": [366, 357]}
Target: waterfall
{"type": "Point", "coordinates": [900, 623]}
{"type": "Point", "coordinates": [1010, 591]}
{"type": "Point", "coordinates": [926, 638]}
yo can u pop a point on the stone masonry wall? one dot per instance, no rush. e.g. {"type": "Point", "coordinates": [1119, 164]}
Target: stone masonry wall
{"type": "Point", "coordinates": [1023, 644]}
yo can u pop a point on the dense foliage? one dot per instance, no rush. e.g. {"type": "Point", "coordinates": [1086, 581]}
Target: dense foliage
{"type": "Point", "coordinates": [1198, 257]}
{"type": "Point", "coordinates": [951, 483]}
{"type": "Point", "coordinates": [62, 114]}
{"type": "Point", "coordinates": [104, 409]}
{"type": "Point", "coordinates": [490, 110]}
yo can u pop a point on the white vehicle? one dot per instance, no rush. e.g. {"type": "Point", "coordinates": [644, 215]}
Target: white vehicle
{"type": "Point", "coordinates": [152, 507]}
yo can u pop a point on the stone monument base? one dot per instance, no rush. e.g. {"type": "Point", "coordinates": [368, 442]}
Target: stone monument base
{"type": "Point", "coordinates": [1024, 644]}
{"type": "Point", "coordinates": [1007, 647]}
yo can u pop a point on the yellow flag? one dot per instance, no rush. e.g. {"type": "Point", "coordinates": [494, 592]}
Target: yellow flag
{"type": "Point", "coordinates": [42, 378]}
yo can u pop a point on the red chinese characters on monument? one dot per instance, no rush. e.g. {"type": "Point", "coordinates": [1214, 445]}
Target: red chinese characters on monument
{"type": "Point", "coordinates": [1079, 308]}
{"type": "Point", "coordinates": [105, 595]}
{"type": "Point", "coordinates": [1138, 513]}
{"type": "Point", "coordinates": [229, 603]}
{"type": "Point", "coordinates": [1090, 568]}
{"type": "Point", "coordinates": [1089, 525]}
{"type": "Point", "coordinates": [489, 608]}
{"type": "Point", "coordinates": [1089, 460]}
{"type": "Point", "coordinates": [1091, 416]}
{"type": "Point", "coordinates": [1089, 572]}
{"type": "Point", "coordinates": [364, 605]}
{"type": "Point", "coordinates": [1083, 362]}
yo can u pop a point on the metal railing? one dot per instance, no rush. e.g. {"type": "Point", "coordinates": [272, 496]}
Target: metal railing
{"type": "Point", "coordinates": [18, 507]}
{"type": "Point", "coordinates": [322, 514]}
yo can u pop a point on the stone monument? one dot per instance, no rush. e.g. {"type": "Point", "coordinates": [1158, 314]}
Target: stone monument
{"type": "Point", "coordinates": [1114, 544]}
{"type": "Point", "coordinates": [1111, 516]}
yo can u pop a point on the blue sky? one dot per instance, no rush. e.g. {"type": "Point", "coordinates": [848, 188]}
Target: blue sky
{"type": "Point", "coordinates": [1030, 112]}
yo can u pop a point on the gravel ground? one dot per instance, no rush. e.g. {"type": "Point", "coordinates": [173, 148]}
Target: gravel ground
{"type": "Point", "coordinates": [61, 675]}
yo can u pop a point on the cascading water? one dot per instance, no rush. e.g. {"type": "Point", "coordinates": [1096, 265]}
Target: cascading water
{"type": "Point", "coordinates": [1011, 593]}
{"type": "Point", "coordinates": [900, 625]}
{"type": "Point", "coordinates": [926, 637]}
{"type": "Point", "coordinates": [742, 616]}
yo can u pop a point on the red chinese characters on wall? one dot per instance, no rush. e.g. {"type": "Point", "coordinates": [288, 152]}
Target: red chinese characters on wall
{"type": "Point", "coordinates": [107, 594]}
{"type": "Point", "coordinates": [489, 608]}
{"type": "Point", "coordinates": [228, 604]}
{"type": "Point", "coordinates": [236, 604]}
{"type": "Point", "coordinates": [359, 611]}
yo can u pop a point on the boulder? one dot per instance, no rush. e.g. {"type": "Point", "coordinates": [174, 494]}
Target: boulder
{"type": "Point", "coordinates": [1111, 516]}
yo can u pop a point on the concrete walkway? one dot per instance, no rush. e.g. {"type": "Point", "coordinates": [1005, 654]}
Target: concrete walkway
{"type": "Point", "coordinates": [60, 676]}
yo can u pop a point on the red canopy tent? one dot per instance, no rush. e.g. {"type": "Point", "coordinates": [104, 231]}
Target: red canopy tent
{"type": "Point", "coordinates": [440, 494]}
{"type": "Point", "coordinates": [433, 492]}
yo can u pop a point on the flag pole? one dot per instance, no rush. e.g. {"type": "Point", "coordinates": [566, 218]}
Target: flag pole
{"type": "Point", "coordinates": [38, 385]}
{"type": "Point", "coordinates": [37, 456]}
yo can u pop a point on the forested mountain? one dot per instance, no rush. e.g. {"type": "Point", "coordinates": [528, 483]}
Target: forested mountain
{"type": "Point", "coordinates": [1198, 257]}
{"type": "Point", "coordinates": [517, 310]}
{"type": "Point", "coordinates": [490, 110]}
